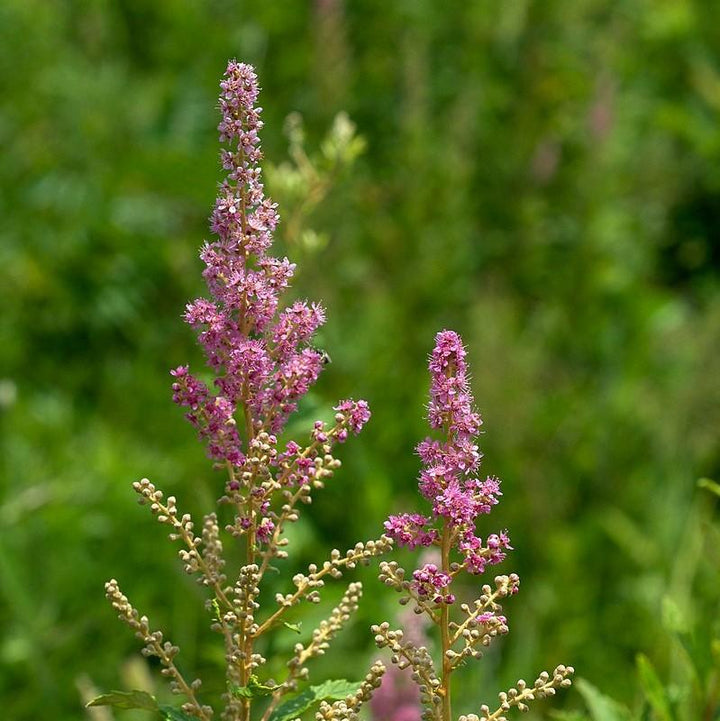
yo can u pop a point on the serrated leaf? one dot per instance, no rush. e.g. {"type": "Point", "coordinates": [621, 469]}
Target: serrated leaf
{"type": "Point", "coordinates": [653, 688]}
{"type": "Point", "coordinates": [601, 707]}
{"type": "Point", "coordinates": [126, 700]}
{"type": "Point", "coordinates": [293, 626]}
{"type": "Point", "coordinates": [170, 713]}
{"type": "Point", "coordinates": [329, 691]}
{"type": "Point", "coordinates": [294, 706]}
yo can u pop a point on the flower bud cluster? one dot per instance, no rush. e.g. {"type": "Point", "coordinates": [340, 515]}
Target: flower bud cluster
{"type": "Point", "coordinates": [398, 698]}
{"type": "Point", "coordinates": [193, 559]}
{"type": "Point", "coordinates": [348, 709]}
{"type": "Point", "coordinates": [415, 657]}
{"type": "Point", "coordinates": [165, 651]}
{"type": "Point", "coordinates": [328, 628]}
{"type": "Point", "coordinates": [517, 697]}
{"type": "Point", "coordinates": [308, 585]}
{"type": "Point", "coordinates": [267, 475]}
{"type": "Point", "coordinates": [245, 595]}
{"type": "Point", "coordinates": [212, 552]}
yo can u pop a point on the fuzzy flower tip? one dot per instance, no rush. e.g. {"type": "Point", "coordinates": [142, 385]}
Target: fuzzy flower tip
{"type": "Point", "coordinates": [450, 396]}
{"type": "Point", "coordinates": [261, 354]}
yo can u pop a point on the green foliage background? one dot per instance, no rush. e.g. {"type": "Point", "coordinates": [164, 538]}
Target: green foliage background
{"type": "Point", "coordinates": [543, 177]}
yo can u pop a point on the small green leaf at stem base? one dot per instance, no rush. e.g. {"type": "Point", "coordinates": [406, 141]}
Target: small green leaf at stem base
{"type": "Point", "coordinates": [126, 700]}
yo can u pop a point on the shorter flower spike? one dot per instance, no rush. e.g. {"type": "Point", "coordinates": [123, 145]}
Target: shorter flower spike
{"type": "Point", "coordinates": [449, 479]}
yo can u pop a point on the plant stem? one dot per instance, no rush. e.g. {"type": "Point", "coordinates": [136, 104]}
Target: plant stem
{"type": "Point", "coordinates": [247, 640]}
{"type": "Point", "coordinates": [445, 629]}
{"type": "Point", "coordinates": [250, 551]}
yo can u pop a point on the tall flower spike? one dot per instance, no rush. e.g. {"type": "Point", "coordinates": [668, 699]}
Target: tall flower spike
{"type": "Point", "coordinates": [262, 359]}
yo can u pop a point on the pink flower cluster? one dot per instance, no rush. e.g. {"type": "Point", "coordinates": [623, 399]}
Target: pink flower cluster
{"type": "Point", "coordinates": [408, 529]}
{"type": "Point", "coordinates": [429, 582]}
{"type": "Point", "coordinates": [449, 478]}
{"type": "Point", "coordinates": [261, 356]}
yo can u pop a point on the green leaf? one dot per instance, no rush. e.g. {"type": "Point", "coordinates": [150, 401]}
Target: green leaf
{"type": "Point", "coordinates": [294, 706]}
{"type": "Point", "coordinates": [601, 707]}
{"type": "Point", "coordinates": [330, 690]}
{"type": "Point", "coordinates": [170, 713]}
{"type": "Point", "coordinates": [126, 699]}
{"type": "Point", "coordinates": [684, 668]}
{"type": "Point", "coordinates": [253, 689]}
{"type": "Point", "coordinates": [653, 688]}
{"type": "Point", "coordinates": [293, 626]}
{"type": "Point", "coordinates": [672, 616]}
{"type": "Point", "coordinates": [335, 689]}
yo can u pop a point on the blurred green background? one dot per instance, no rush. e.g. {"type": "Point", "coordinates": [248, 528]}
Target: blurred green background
{"type": "Point", "coordinates": [543, 177]}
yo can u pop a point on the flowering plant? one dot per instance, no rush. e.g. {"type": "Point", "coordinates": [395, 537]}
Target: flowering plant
{"type": "Point", "coordinates": [263, 362]}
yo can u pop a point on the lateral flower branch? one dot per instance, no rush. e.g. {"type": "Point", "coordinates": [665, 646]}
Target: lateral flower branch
{"type": "Point", "coordinates": [449, 480]}
{"type": "Point", "coordinates": [263, 362]}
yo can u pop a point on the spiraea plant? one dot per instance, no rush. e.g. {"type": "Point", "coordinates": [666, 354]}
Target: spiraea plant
{"type": "Point", "coordinates": [263, 362]}
{"type": "Point", "coordinates": [449, 480]}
